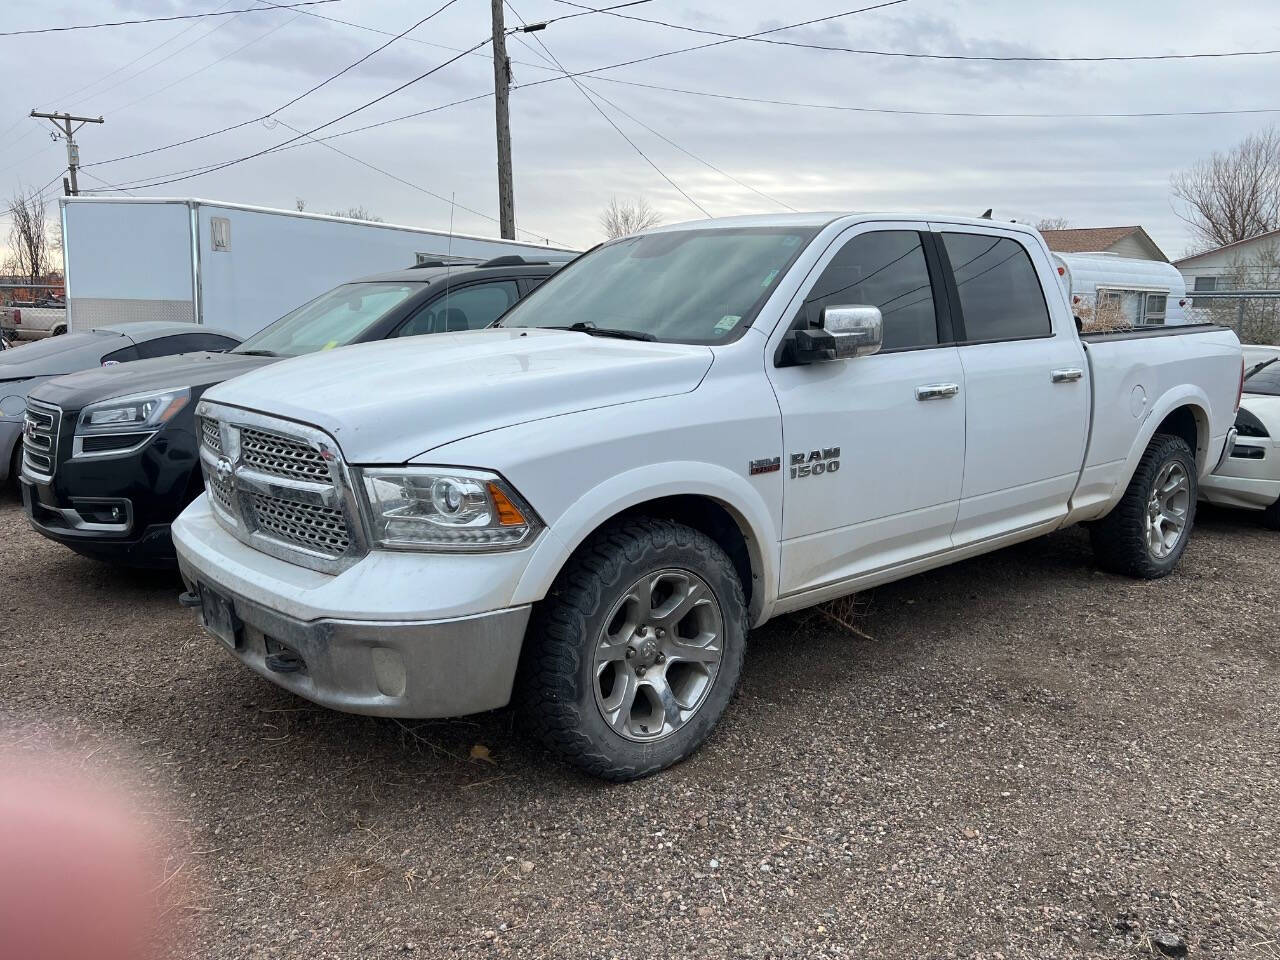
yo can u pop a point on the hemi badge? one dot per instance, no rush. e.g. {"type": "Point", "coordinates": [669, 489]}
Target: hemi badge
{"type": "Point", "coordinates": [768, 465]}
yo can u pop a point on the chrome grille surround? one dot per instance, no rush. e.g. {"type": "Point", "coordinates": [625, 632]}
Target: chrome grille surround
{"type": "Point", "coordinates": [40, 429]}
{"type": "Point", "coordinates": [281, 487]}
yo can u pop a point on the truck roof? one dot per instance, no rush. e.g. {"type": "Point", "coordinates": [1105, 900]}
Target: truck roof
{"type": "Point", "coordinates": [823, 218]}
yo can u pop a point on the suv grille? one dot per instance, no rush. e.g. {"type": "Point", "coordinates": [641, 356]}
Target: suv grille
{"type": "Point", "coordinates": [279, 487]}
{"type": "Point", "coordinates": [282, 456]}
{"type": "Point", "coordinates": [40, 437]}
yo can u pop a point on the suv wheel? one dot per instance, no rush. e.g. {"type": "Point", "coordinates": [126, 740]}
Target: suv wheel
{"type": "Point", "coordinates": [636, 651]}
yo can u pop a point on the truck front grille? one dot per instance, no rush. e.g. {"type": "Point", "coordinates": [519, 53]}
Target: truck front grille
{"type": "Point", "coordinates": [280, 487]}
{"type": "Point", "coordinates": [282, 456]}
{"type": "Point", "coordinates": [40, 437]}
{"type": "Point", "coordinates": [317, 528]}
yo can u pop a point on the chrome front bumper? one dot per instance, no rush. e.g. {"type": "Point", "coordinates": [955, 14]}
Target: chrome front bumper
{"type": "Point", "coordinates": [435, 668]}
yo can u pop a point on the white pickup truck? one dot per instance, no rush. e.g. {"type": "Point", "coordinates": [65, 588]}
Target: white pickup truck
{"type": "Point", "coordinates": [682, 434]}
{"type": "Point", "coordinates": [34, 321]}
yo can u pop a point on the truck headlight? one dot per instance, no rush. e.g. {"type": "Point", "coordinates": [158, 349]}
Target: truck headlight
{"type": "Point", "coordinates": [122, 424]}
{"type": "Point", "coordinates": [441, 508]}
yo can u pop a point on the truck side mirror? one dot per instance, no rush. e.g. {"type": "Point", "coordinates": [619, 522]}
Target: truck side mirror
{"type": "Point", "coordinates": [843, 332]}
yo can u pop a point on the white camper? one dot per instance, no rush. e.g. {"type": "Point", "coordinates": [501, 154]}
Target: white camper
{"type": "Point", "coordinates": [234, 266]}
{"type": "Point", "coordinates": [1133, 293]}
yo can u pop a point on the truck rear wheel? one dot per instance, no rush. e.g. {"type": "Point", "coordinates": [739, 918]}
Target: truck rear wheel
{"type": "Point", "coordinates": [637, 649]}
{"type": "Point", "coordinates": [1146, 533]}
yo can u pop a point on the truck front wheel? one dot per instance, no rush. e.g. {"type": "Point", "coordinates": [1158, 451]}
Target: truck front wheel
{"type": "Point", "coordinates": [1146, 533]}
{"type": "Point", "coordinates": [636, 650]}
{"type": "Point", "coordinates": [1271, 516]}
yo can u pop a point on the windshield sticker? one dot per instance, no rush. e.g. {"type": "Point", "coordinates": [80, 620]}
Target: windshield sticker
{"type": "Point", "coordinates": [769, 278]}
{"type": "Point", "coordinates": [726, 324]}
{"type": "Point", "coordinates": [330, 345]}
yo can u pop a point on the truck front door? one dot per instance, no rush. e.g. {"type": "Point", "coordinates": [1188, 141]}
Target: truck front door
{"type": "Point", "coordinates": [873, 446]}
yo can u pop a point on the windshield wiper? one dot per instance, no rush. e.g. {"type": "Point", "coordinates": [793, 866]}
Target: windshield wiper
{"type": "Point", "coordinates": [256, 353]}
{"type": "Point", "coordinates": [1258, 367]}
{"type": "Point", "coordinates": [586, 326]}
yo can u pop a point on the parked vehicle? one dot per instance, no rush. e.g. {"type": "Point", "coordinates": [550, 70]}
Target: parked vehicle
{"type": "Point", "coordinates": [1108, 292]}
{"type": "Point", "coordinates": [35, 363]}
{"type": "Point", "coordinates": [234, 266]}
{"type": "Point", "coordinates": [34, 320]}
{"type": "Point", "coordinates": [681, 435]}
{"type": "Point", "coordinates": [120, 459]}
{"type": "Point", "coordinates": [1250, 476]}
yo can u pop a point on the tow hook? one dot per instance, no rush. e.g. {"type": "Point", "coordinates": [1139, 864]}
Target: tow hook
{"type": "Point", "coordinates": [189, 599]}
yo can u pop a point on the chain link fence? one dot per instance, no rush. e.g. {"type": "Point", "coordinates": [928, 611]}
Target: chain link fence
{"type": "Point", "coordinates": [1253, 314]}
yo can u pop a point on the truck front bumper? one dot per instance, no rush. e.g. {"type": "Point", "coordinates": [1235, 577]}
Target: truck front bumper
{"type": "Point", "coordinates": [314, 635]}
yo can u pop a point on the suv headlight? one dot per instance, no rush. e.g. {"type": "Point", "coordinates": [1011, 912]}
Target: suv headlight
{"type": "Point", "coordinates": [122, 424]}
{"type": "Point", "coordinates": [443, 508]}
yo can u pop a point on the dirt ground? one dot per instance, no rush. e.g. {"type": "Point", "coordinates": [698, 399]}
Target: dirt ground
{"type": "Point", "coordinates": [1027, 758]}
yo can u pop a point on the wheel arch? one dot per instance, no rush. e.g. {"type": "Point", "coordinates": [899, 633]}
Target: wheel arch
{"type": "Point", "coordinates": [706, 497]}
{"type": "Point", "coordinates": [1183, 413]}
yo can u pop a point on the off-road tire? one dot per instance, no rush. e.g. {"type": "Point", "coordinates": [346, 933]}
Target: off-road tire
{"type": "Point", "coordinates": [1271, 516]}
{"type": "Point", "coordinates": [1119, 540]}
{"type": "Point", "coordinates": [556, 684]}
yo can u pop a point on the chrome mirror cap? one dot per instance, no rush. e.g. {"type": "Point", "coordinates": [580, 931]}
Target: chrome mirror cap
{"type": "Point", "coordinates": [856, 331]}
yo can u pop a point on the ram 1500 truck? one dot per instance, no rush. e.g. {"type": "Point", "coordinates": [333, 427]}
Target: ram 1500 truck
{"type": "Point", "coordinates": [679, 436]}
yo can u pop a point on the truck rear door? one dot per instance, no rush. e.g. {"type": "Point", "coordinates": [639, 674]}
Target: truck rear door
{"type": "Point", "coordinates": [1025, 379]}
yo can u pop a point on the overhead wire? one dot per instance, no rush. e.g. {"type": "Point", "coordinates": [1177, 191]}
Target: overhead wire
{"type": "Point", "coordinates": [1001, 58]}
{"type": "Point", "coordinates": [183, 16]}
{"type": "Point", "coordinates": [285, 105]}
{"type": "Point", "coordinates": [608, 119]}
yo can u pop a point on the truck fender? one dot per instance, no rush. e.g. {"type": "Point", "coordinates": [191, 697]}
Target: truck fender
{"type": "Point", "coordinates": [651, 482]}
{"type": "Point", "coordinates": [1184, 395]}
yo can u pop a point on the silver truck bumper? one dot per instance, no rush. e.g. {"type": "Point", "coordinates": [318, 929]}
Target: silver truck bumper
{"type": "Point", "coordinates": [434, 668]}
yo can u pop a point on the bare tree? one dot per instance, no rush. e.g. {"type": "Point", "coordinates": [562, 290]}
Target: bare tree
{"type": "Point", "coordinates": [1052, 223]}
{"type": "Point", "coordinates": [1234, 195]}
{"type": "Point", "coordinates": [31, 253]}
{"type": "Point", "coordinates": [360, 212]}
{"type": "Point", "coordinates": [624, 217]}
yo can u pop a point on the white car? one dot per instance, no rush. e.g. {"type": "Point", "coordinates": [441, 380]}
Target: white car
{"type": "Point", "coordinates": [1250, 476]}
{"type": "Point", "coordinates": [678, 436]}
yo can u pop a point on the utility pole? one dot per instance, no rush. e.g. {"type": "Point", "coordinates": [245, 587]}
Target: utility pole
{"type": "Point", "coordinates": [502, 118]}
{"type": "Point", "coordinates": [63, 121]}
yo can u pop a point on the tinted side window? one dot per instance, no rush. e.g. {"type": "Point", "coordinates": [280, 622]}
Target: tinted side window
{"type": "Point", "coordinates": [1000, 295]}
{"type": "Point", "coordinates": [467, 308]}
{"type": "Point", "coordinates": [123, 355]}
{"type": "Point", "coordinates": [183, 343]}
{"type": "Point", "coordinates": [888, 270]}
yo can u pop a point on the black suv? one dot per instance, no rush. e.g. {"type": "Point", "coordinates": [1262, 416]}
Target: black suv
{"type": "Point", "coordinates": [119, 451]}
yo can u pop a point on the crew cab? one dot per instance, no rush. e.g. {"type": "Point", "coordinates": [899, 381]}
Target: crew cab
{"type": "Point", "coordinates": [112, 455]}
{"type": "Point", "coordinates": [681, 435]}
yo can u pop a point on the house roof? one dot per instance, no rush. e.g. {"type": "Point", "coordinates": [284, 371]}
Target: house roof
{"type": "Point", "coordinates": [1095, 239]}
{"type": "Point", "coordinates": [1226, 246]}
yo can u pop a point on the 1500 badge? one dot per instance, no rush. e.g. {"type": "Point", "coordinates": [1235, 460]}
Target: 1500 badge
{"type": "Point", "coordinates": [815, 463]}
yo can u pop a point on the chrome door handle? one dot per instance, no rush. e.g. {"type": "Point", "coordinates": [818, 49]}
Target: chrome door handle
{"type": "Point", "coordinates": [937, 391]}
{"type": "Point", "coordinates": [1066, 375]}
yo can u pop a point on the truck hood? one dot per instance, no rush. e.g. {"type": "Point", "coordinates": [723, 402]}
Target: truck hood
{"type": "Point", "coordinates": [193, 370]}
{"type": "Point", "coordinates": [389, 402]}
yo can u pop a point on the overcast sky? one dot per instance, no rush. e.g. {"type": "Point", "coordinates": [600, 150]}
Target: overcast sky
{"type": "Point", "coordinates": [569, 161]}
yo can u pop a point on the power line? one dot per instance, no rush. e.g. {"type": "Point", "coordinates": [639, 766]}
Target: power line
{"type": "Point", "coordinates": [940, 113]}
{"type": "Point", "coordinates": [305, 93]}
{"type": "Point", "coordinates": [184, 16]}
{"type": "Point", "coordinates": [926, 56]}
{"type": "Point", "coordinates": [220, 166]}
{"type": "Point", "coordinates": [600, 110]}
{"type": "Point", "coordinates": [418, 187]}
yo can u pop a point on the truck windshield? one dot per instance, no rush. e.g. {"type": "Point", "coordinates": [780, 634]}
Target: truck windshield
{"type": "Point", "coordinates": [332, 319]}
{"type": "Point", "coordinates": [685, 286]}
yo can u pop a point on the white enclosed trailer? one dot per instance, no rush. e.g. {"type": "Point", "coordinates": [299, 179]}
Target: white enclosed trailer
{"type": "Point", "coordinates": [1135, 292]}
{"type": "Point", "coordinates": [231, 265]}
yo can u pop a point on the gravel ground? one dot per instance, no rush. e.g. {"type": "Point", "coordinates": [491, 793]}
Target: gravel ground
{"type": "Point", "coordinates": [1022, 758]}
